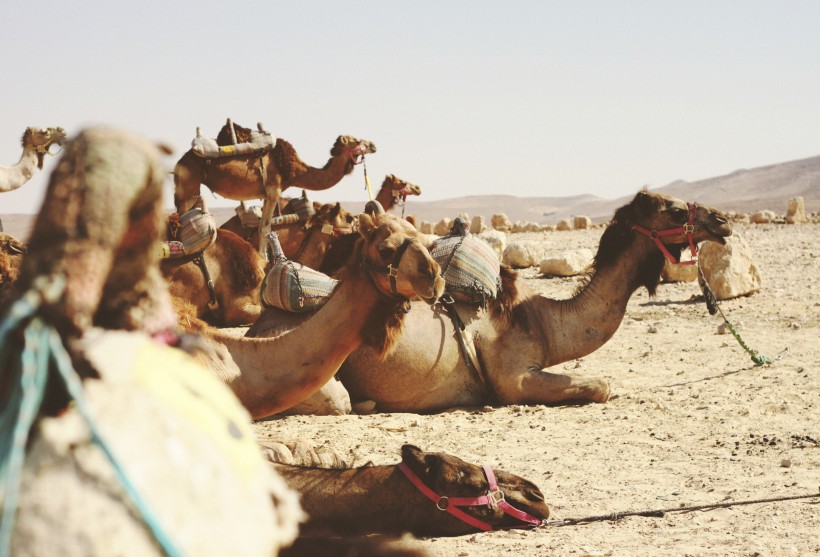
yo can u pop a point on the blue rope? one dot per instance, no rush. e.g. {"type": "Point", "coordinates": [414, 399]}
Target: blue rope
{"type": "Point", "coordinates": [43, 347]}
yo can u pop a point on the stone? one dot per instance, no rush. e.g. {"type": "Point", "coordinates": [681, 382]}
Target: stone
{"type": "Point", "coordinates": [729, 269]}
{"type": "Point", "coordinates": [796, 213]}
{"type": "Point", "coordinates": [477, 225]}
{"type": "Point", "coordinates": [762, 217]}
{"type": "Point", "coordinates": [496, 239]}
{"type": "Point", "coordinates": [522, 254]}
{"type": "Point", "coordinates": [426, 227]}
{"type": "Point", "coordinates": [679, 273]}
{"type": "Point", "coordinates": [582, 222]}
{"type": "Point", "coordinates": [532, 227]}
{"type": "Point", "coordinates": [567, 264]}
{"type": "Point", "coordinates": [563, 225]}
{"type": "Point", "coordinates": [442, 227]}
{"type": "Point", "coordinates": [501, 222]}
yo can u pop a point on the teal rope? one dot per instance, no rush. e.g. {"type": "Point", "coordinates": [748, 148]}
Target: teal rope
{"type": "Point", "coordinates": [44, 348]}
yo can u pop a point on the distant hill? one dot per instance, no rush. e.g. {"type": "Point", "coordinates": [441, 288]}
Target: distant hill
{"type": "Point", "coordinates": [745, 190]}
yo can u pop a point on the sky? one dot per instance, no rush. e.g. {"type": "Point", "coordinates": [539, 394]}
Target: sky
{"type": "Point", "coordinates": [522, 98]}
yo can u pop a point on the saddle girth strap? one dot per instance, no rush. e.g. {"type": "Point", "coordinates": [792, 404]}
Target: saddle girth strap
{"type": "Point", "coordinates": [468, 350]}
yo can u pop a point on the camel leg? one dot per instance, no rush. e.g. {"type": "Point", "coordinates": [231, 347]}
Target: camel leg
{"type": "Point", "coordinates": [272, 193]}
{"type": "Point", "coordinates": [538, 386]}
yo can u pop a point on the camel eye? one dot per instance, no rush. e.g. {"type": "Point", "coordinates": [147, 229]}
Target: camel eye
{"type": "Point", "coordinates": [386, 252]}
{"type": "Point", "coordinates": [678, 213]}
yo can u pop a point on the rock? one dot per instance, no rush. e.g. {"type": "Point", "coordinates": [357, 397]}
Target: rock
{"type": "Point", "coordinates": [426, 227]}
{"type": "Point", "coordinates": [501, 222]}
{"type": "Point", "coordinates": [763, 217]}
{"type": "Point", "coordinates": [519, 227]}
{"type": "Point", "coordinates": [532, 227]}
{"type": "Point", "coordinates": [497, 240]}
{"type": "Point", "coordinates": [569, 263]}
{"type": "Point", "coordinates": [679, 273]}
{"type": "Point", "coordinates": [548, 228]}
{"type": "Point", "coordinates": [796, 213]}
{"type": "Point", "coordinates": [729, 269]}
{"type": "Point", "coordinates": [523, 254]}
{"type": "Point", "coordinates": [477, 225]}
{"type": "Point", "coordinates": [442, 228]}
{"type": "Point", "coordinates": [582, 222]}
{"type": "Point", "coordinates": [564, 225]}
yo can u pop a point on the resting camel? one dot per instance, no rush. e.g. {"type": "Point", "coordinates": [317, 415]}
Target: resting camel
{"type": "Point", "coordinates": [273, 374]}
{"type": "Point", "coordinates": [384, 500]}
{"type": "Point", "coordinates": [11, 259]}
{"type": "Point", "coordinates": [36, 143]}
{"type": "Point", "coordinates": [239, 177]}
{"type": "Point", "coordinates": [394, 190]}
{"type": "Point", "coordinates": [520, 334]}
{"type": "Point", "coordinates": [91, 297]}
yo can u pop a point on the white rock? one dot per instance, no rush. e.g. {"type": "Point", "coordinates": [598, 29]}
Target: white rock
{"type": "Point", "coordinates": [763, 217]}
{"type": "Point", "coordinates": [569, 263]}
{"type": "Point", "coordinates": [524, 254]}
{"type": "Point", "coordinates": [501, 222]}
{"type": "Point", "coordinates": [582, 222]}
{"type": "Point", "coordinates": [729, 269]}
{"type": "Point", "coordinates": [679, 273]}
{"type": "Point", "coordinates": [564, 225]}
{"type": "Point", "coordinates": [796, 213]}
{"type": "Point", "coordinates": [497, 240]}
{"type": "Point", "coordinates": [426, 227]}
{"type": "Point", "coordinates": [442, 228]}
{"type": "Point", "coordinates": [477, 225]}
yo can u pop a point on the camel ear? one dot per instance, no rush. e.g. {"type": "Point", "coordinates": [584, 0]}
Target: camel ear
{"type": "Point", "coordinates": [366, 224]}
{"type": "Point", "coordinates": [411, 219]}
{"type": "Point", "coordinates": [411, 454]}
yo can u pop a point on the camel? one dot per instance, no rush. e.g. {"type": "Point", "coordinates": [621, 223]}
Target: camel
{"type": "Point", "coordinates": [385, 500]}
{"type": "Point", "coordinates": [92, 307]}
{"type": "Point", "coordinates": [264, 176]}
{"type": "Point", "coordinates": [389, 267]}
{"type": "Point", "coordinates": [36, 143]}
{"type": "Point", "coordinates": [394, 190]}
{"type": "Point", "coordinates": [520, 334]}
{"type": "Point", "coordinates": [11, 259]}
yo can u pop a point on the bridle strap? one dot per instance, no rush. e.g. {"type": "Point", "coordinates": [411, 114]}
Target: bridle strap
{"type": "Point", "coordinates": [493, 498]}
{"type": "Point", "coordinates": [356, 153]}
{"type": "Point", "coordinates": [392, 270]}
{"type": "Point", "coordinates": [688, 229]}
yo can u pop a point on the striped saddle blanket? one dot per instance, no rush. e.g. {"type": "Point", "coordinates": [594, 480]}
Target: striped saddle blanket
{"type": "Point", "coordinates": [469, 266]}
{"type": "Point", "coordinates": [208, 148]}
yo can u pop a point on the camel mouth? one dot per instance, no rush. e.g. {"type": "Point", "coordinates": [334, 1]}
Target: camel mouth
{"type": "Point", "coordinates": [718, 230]}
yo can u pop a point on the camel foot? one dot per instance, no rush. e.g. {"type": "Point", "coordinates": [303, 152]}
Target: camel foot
{"type": "Point", "coordinates": [302, 452]}
{"type": "Point", "coordinates": [364, 407]}
{"type": "Point", "coordinates": [601, 392]}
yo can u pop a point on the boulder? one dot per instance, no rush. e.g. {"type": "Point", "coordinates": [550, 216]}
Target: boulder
{"type": "Point", "coordinates": [567, 264]}
{"type": "Point", "coordinates": [501, 222]}
{"type": "Point", "coordinates": [532, 227]}
{"type": "Point", "coordinates": [477, 225]}
{"type": "Point", "coordinates": [426, 227]}
{"type": "Point", "coordinates": [548, 228]}
{"type": "Point", "coordinates": [763, 217]}
{"type": "Point", "coordinates": [523, 254]}
{"type": "Point", "coordinates": [564, 225]}
{"type": "Point", "coordinates": [796, 213]}
{"type": "Point", "coordinates": [729, 269]}
{"type": "Point", "coordinates": [442, 228]}
{"type": "Point", "coordinates": [497, 240]}
{"type": "Point", "coordinates": [582, 222]}
{"type": "Point", "coordinates": [679, 273]}
{"type": "Point", "coordinates": [519, 226]}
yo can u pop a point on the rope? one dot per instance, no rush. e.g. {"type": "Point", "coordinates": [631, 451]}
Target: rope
{"type": "Point", "coordinates": [367, 179]}
{"type": "Point", "coordinates": [661, 512]}
{"type": "Point", "coordinates": [43, 351]}
{"type": "Point", "coordinates": [712, 301]}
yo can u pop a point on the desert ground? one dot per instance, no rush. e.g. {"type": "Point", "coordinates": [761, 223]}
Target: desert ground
{"type": "Point", "coordinates": [692, 421]}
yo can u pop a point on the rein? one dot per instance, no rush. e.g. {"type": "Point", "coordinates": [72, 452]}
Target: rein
{"type": "Point", "coordinates": [494, 498]}
{"type": "Point", "coordinates": [688, 229]}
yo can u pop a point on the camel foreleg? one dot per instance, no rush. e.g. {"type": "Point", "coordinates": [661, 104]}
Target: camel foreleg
{"type": "Point", "coordinates": [539, 386]}
{"type": "Point", "coordinates": [271, 201]}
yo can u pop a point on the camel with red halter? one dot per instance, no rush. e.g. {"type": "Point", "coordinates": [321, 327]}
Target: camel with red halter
{"type": "Point", "coordinates": [394, 192]}
{"type": "Point", "coordinates": [264, 175]}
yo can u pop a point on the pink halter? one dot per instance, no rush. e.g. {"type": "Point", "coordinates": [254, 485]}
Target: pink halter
{"type": "Point", "coordinates": [493, 498]}
{"type": "Point", "coordinates": [688, 229]}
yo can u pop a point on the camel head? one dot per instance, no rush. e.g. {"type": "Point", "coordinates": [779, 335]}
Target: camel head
{"type": "Point", "coordinates": [400, 188]}
{"type": "Point", "coordinates": [665, 225]}
{"type": "Point", "coordinates": [41, 140]}
{"type": "Point", "coordinates": [354, 149]}
{"type": "Point", "coordinates": [391, 250]}
{"type": "Point", "coordinates": [449, 476]}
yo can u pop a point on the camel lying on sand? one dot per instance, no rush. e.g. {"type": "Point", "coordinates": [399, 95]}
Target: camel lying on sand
{"type": "Point", "coordinates": [266, 176]}
{"type": "Point", "coordinates": [36, 143]}
{"type": "Point", "coordinates": [389, 266]}
{"type": "Point", "coordinates": [520, 334]}
{"type": "Point", "coordinates": [11, 259]}
{"type": "Point", "coordinates": [184, 455]}
{"type": "Point", "coordinates": [385, 500]}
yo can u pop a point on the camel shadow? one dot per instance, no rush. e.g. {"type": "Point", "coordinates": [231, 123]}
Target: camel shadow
{"type": "Point", "coordinates": [709, 378]}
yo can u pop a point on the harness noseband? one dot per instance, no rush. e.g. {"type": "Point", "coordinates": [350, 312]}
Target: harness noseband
{"type": "Point", "coordinates": [494, 498]}
{"type": "Point", "coordinates": [688, 229]}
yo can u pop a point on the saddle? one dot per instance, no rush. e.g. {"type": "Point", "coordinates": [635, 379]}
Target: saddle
{"type": "Point", "coordinates": [190, 234]}
{"type": "Point", "coordinates": [257, 143]}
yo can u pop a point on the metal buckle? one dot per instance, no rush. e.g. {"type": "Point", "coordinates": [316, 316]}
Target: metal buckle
{"type": "Point", "coordinates": [689, 228]}
{"type": "Point", "coordinates": [653, 234]}
{"type": "Point", "coordinates": [496, 496]}
{"type": "Point", "coordinates": [392, 271]}
{"type": "Point", "coordinates": [443, 503]}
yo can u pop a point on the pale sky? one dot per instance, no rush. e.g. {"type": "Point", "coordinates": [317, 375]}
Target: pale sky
{"type": "Point", "coordinates": [463, 98]}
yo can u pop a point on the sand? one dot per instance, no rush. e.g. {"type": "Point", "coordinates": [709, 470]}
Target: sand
{"type": "Point", "coordinates": [692, 421]}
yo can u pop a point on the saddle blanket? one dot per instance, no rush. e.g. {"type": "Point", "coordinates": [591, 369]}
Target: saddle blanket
{"type": "Point", "coordinates": [208, 148]}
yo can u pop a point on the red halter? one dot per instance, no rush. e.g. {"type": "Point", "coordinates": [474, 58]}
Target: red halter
{"type": "Point", "coordinates": [356, 153]}
{"type": "Point", "coordinates": [688, 229]}
{"type": "Point", "coordinates": [493, 498]}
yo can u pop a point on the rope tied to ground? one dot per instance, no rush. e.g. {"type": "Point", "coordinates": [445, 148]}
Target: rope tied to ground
{"type": "Point", "coordinates": [30, 366]}
{"type": "Point", "coordinates": [659, 513]}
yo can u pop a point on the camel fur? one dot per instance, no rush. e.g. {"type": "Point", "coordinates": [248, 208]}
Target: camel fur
{"type": "Point", "coordinates": [395, 190]}
{"type": "Point", "coordinates": [265, 176]}
{"type": "Point", "coordinates": [521, 334]}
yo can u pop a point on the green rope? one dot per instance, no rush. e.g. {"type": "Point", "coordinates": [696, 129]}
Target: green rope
{"type": "Point", "coordinates": [43, 351]}
{"type": "Point", "coordinates": [757, 358]}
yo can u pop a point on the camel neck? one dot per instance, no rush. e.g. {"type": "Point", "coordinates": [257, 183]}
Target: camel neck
{"type": "Point", "coordinates": [314, 179]}
{"type": "Point", "coordinates": [580, 325]}
{"type": "Point", "coordinates": [12, 177]}
{"type": "Point", "coordinates": [373, 499]}
{"type": "Point", "coordinates": [385, 197]}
